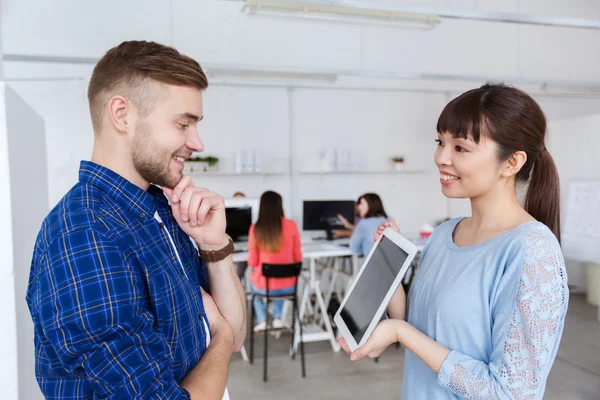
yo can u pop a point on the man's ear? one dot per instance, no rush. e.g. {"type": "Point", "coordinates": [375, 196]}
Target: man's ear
{"type": "Point", "coordinates": [119, 113]}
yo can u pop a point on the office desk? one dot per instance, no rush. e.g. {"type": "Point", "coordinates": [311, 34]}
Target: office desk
{"type": "Point", "coordinates": [311, 251]}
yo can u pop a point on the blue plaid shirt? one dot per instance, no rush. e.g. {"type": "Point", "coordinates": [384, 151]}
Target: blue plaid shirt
{"type": "Point", "coordinates": [115, 314]}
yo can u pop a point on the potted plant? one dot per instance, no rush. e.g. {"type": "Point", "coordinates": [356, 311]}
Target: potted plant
{"type": "Point", "coordinates": [398, 163]}
{"type": "Point", "coordinates": [202, 164]}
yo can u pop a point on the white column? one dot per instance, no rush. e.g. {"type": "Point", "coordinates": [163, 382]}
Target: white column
{"type": "Point", "coordinates": [28, 172]}
{"type": "Point", "coordinates": [23, 205]}
{"type": "Point", "coordinates": [8, 327]}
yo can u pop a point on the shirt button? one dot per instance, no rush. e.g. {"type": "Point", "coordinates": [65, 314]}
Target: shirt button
{"type": "Point", "coordinates": [142, 215]}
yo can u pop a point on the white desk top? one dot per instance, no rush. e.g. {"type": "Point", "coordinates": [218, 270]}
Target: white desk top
{"type": "Point", "coordinates": [322, 248]}
{"type": "Point", "coordinates": [311, 249]}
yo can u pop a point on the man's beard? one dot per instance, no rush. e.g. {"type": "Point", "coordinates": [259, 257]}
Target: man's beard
{"type": "Point", "coordinates": [150, 161]}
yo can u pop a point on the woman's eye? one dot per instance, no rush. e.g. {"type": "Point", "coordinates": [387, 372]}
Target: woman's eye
{"type": "Point", "coordinates": [183, 127]}
{"type": "Point", "coordinates": [460, 149]}
{"type": "Point", "coordinates": [438, 141]}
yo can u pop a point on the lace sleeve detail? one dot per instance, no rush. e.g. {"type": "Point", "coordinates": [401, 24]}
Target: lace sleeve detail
{"type": "Point", "coordinates": [528, 336]}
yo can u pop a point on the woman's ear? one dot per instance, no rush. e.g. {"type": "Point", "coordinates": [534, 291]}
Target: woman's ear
{"type": "Point", "coordinates": [513, 165]}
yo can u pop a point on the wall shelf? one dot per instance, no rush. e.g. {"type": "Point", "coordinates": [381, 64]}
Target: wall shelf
{"type": "Point", "coordinates": [223, 173]}
{"type": "Point", "coordinates": [380, 172]}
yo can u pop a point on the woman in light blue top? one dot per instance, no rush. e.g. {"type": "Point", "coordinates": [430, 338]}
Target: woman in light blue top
{"type": "Point", "coordinates": [487, 306]}
{"type": "Point", "coordinates": [371, 213]}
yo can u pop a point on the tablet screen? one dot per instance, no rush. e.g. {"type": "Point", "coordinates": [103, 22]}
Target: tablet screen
{"type": "Point", "coordinates": [372, 287]}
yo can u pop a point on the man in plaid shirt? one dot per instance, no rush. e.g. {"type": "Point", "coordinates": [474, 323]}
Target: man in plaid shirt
{"type": "Point", "coordinates": [118, 289]}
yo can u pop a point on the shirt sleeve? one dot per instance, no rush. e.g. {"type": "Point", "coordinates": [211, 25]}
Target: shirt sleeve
{"type": "Point", "coordinates": [357, 238]}
{"type": "Point", "coordinates": [253, 252]}
{"type": "Point", "coordinates": [93, 311]}
{"type": "Point", "coordinates": [529, 311]}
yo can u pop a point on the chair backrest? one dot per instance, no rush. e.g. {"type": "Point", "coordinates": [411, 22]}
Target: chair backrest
{"type": "Point", "coordinates": [281, 270]}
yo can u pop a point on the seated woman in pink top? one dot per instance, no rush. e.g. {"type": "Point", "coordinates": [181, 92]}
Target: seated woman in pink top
{"type": "Point", "coordinates": [274, 239]}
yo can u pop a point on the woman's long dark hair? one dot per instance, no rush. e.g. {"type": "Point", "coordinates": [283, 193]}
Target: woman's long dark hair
{"type": "Point", "coordinates": [513, 120]}
{"type": "Point", "coordinates": [375, 205]}
{"type": "Point", "coordinates": [268, 230]}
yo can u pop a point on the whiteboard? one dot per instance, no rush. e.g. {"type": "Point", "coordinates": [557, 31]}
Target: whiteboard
{"type": "Point", "coordinates": [581, 233]}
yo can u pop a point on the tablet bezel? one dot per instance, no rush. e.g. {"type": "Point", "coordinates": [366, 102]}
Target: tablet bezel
{"type": "Point", "coordinates": [408, 247]}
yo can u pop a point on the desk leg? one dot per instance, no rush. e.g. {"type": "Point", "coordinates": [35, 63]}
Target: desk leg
{"type": "Point", "coordinates": [334, 344]}
{"type": "Point", "coordinates": [355, 269]}
{"type": "Point", "coordinates": [326, 275]}
{"type": "Point", "coordinates": [314, 333]}
{"type": "Point", "coordinates": [355, 266]}
{"type": "Point", "coordinates": [332, 280]}
{"type": "Point", "coordinates": [305, 300]}
{"type": "Point", "coordinates": [316, 285]}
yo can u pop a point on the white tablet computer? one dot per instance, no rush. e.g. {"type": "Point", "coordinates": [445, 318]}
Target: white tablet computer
{"type": "Point", "coordinates": [373, 288]}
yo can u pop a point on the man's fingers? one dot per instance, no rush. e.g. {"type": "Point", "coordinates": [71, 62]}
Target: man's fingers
{"type": "Point", "coordinates": [184, 200]}
{"type": "Point", "coordinates": [194, 204]}
{"type": "Point", "coordinates": [178, 190]}
{"type": "Point", "coordinates": [195, 200]}
{"type": "Point", "coordinates": [219, 202]}
{"type": "Point", "coordinates": [204, 209]}
{"type": "Point", "coordinates": [176, 208]}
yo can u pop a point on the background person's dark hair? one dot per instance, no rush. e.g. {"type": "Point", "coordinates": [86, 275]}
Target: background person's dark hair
{"type": "Point", "coordinates": [513, 120]}
{"type": "Point", "coordinates": [268, 230]}
{"type": "Point", "coordinates": [375, 205]}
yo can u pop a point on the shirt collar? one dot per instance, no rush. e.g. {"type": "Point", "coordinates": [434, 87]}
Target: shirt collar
{"type": "Point", "coordinates": [129, 196]}
{"type": "Point", "coordinates": [158, 194]}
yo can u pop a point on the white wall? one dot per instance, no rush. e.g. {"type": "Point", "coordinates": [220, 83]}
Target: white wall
{"type": "Point", "coordinates": [379, 125]}
{"type": "Point", "coordinates": [69, 137]}
{"type": "Point", "coordinates": [75, 28]}
{"type": "Point", "coordinates": [247, 118]}
{"type": "Point", "coordinates": [29, 197]}
{"type": "Point", "coordinates": [573, 144]}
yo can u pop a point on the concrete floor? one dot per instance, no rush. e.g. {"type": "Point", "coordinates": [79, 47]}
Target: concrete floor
{"type": "Point", "coordinates": [575, 374]}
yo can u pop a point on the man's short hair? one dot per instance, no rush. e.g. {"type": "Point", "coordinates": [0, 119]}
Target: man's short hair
{"type": "Point", "coordinates": [135, 70]}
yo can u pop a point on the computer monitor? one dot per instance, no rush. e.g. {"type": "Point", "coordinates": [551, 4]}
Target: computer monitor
{"type": "Point", "coordinates": [251, 202]}
{"type": "Point", "coordinates": [321, 215]}
{"type": "Point", "coordinates": [239, 220]}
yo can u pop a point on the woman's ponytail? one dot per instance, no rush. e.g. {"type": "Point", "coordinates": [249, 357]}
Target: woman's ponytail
{"type": "Point", "coordinates": [543, 194]}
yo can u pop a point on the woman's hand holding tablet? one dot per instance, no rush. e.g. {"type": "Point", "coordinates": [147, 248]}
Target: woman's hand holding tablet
{"type": "Point", "coordinates": [373, 288]}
